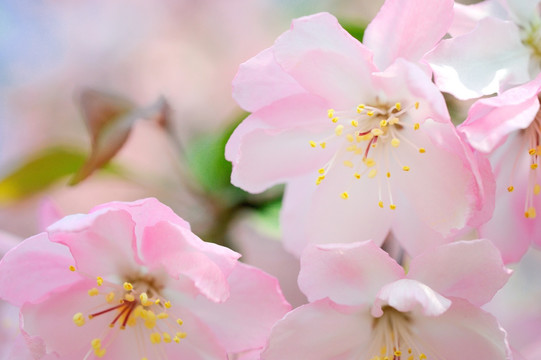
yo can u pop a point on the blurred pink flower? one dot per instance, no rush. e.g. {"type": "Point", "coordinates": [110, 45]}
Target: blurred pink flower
{"type": "Point", "coordinates": [349, 140]}
{"type": "Point", "coordinates": [141, 285]}
{"type": "Point", "coordinates": [507, 128]}
{"type": "Point", "coordinates": [365, 307]}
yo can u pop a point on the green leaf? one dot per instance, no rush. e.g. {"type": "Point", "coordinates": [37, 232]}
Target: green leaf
{"type": "Point", "coordinates": [39, 172]}
{"type": "Point", "coordinates": [206, 159]}
{"type": "Point", "coordinates": [355, 29]}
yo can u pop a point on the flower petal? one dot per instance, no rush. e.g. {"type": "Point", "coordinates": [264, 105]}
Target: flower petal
{"type": "Point", "coordinates": [490, 56]}
{"type": "Point", "coordinates": [348, 274]}
{"type": "Point", "coordinates": [320, 331]}
{"type": "Point", "coordinates": [407, 29]}
{"type": "Point", "coordinates": [34, 268]}
{"type": "Point", "coordinates": [260, 81]}
{"type": "Point", "coordinates": [491, 120]}
{"type": "Point", "coordinates": [183, 254]}
{"type": "Point", "coordinates": [471, 270]}
{"type": "Point", "coordinates": [317, 44]}
{"type": "Point", "coordinates": [407, 295]}
{"type": "Point", "coordinates": [254, 306]}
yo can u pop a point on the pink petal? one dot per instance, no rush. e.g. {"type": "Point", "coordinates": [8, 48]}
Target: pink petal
{"type": "Point", "coordinates": [406, 295]}
{"type": "Point", "coordinates": [318, 215]}
{"type": "Point", "coordinates": [463, 332]}
{"type": "Point", "coordinates": [467, 16]}
{"type": "Point", "coordinates": [491, 55]}
{"type": "Point", "coordinates": [317, 44]}
{"type": "Point", "coordinates": [102, 242]}
{"type": "Point", "coordinates": [7, 242]}
{"type": "Point", "coordinates": [268, 156]}
{"type": "Point", "coordinates": [254, 306]}
{"type": "Point", "coordinates": [407, 29]}
{"type": "Point", "coordinates": [348, 274]}
{"type": "Point", "coordinates": [34, 268]}
{"type": "Point", "coordinates": [523, 11]}
{"type": "Point", "coordinates": [49, 213]}
{"type": "Point", "coordinates": [491, 120]}
{"type": "Point", "coordinates": [471, 270]}
{"type": "Point", "coordinates": [260, 81]}
{"type": "Point", "coordinates": [320, 331]}
{"type": "Point", "coordinates": [183, 254]}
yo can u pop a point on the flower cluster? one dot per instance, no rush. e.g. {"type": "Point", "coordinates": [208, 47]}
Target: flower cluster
{"type": "Point", "coordinates": [399, 224]}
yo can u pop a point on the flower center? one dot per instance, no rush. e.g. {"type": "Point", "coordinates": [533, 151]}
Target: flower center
{"type": "Point", "coordinates": [366, 133]}
{"type": "Point", "coordinates": [531, 38]}
{"type": "Point", "coordinates": [532, 140]}
{"type": "Point", "coordinates": [137, 304]}
{"type": "Point", "coordinates": [393, 339]}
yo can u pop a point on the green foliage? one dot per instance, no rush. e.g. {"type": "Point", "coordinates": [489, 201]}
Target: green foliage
{"type": "Point", "coordinates": [354, 28]}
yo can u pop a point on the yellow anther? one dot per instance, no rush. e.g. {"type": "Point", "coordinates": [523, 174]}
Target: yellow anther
{"type": "Point", "coordinates": [354, 123]}
{"type": "Point", "coordinates": [167, 304]}
{"type": "Point", "coordinates": [181, 335]}
{"type": "Point", "coordinates": [180, 322]}
{"type": "Point", "coordinates": [144, 299]}
{"type": "Point", "coordinates": [321, 171]}
{"type": "Point", "coordinates": [163, 315]}
{"type": "Point", "coordinates": [330, 113]}
{"type": "Point", "coordinates": [344, 195]}
{"type": "Point", "coordinates": [155, 338]}
{"type": "Point", "coordinates": [166, 337]}
{"type": "Point", "coordinates": [422, 356]}
{"type": "Point", "coordinates": [397, 353]}
{"type": "Point", "coordinates": [370, 113]}
{"type": "Point", "coordinates": [99, 352]}
{"type": "Point", "coordinates": [394, 121]}
{"type": "Point", "coordinates": [533, 166]}
{"type": "Point", "coordinates": [511, 188]}
{"type": "Point", "coordinates": [110, 297]}
{"type": "Point", "coordinates": [99, 281]}
{"type": "Point", "coordinates": [348, 163]}
{"type": "Point", "coordinates": [313, 143]}
{"type": "Point", "coordinates": [417, 105]}
{"type": "Point", "coordinates": [150, 318]}
{"type": "Point", "coordinates": [128, 286]}
{"type": "Point", "coordinates": [383, 123]}
{"type": "Point", "coordinates": [79, 319]}
{"type": "Point", "coordinates": [530, 213]}
{"type": "Point", "coordinates": [350, 137]}
{"type": "Point", "coordinates": [129, 297]}
{"type": "Point", "coordinates": [369, 162]}
{"type": "Point", "coordinates": [357, 175]}
{"type": "Point", "coordinates": [323, 144]}
{"type": "Point", "coordinates": [335, 119]}
{"type": "Point", "coordinates": [422, 150]}
{"type": "Point", "coordinates": [72, 268]}
{"type": "Point", "coordinates": [157, 301]}
{"type": "Point", "coordinates": [93, 292]}
{"type": "Point", "coordinates": [376, 132]}
{"type": "Point", "coordinates": [351, 147]}
{"type": "Point", "coordinates": [388, 174]}
{"type": "Point", "coordinates": [372, 173]}
{"type": "Point", "coordinates": [96, 343]}
{"type": "Point", "coordinates": [398, 106]}
{"type": "Point", "coordinates": [338, 130]}
{"type": "Point", "coordinates": [176, 339]}
{"type": "Point", "coordinates": [392, 206]}
{"type": "Point", "coordinates": [406, 168]}
{"type": "Point", "coordinates": [532, 152]}
{"type": "Point", "coordinates": [320, 179]}
{"type": "Point", "coordinates": [380, 204]}
{"type": "Point", "coordinates": [360, 108]}
{"type": "Point", "coordinates": [416, 126]}
{"type": "Point", "coordinates": [537, 189]}
{"type": "Point", "coordinates": [395, 142]}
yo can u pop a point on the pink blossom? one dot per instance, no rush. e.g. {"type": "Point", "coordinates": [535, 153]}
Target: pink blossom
{"type": "Point", "coordinates": [363, 306]}
{"type": "Point", "coordinates": [356, 147]}
{"type": "Point", "coordinates": [507, 128]}
{"type": "Point", "coordinates": [496, 46]}
{"type": "Point", "coordinates": [131, 281]}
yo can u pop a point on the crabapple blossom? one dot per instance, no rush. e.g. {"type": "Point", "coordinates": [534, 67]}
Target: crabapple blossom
{"type": "Point", "coordinates": [366, 307]}
{"type": "Point", "coordinates": [361, 151]}
{"type": "Point", "coordinates": [130, 280]}
{"type": "Point", "coordinates": [507, 127]}
{"type": "Point", "coordinates": [496, 45]}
